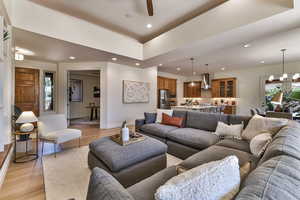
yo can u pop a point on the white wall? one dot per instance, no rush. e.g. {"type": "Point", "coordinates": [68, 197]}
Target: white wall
{"type": "Point", "coordinates": [78, 109]}
{"type": "Point", "coordinates": [117, 111]}
{"type": "Point", "coordinates": [112, 109]}
{"type": "Point", "coordinates": [43, 67]}
{"type": "Point", "coordinates": [63, 92]}
{"type": "Point", "coordinates": [250, 83]}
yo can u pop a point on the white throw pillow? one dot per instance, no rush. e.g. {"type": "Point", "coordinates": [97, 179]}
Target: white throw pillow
{"type": "Point", "coordinates": [258, 125]}
{"type": "Point", "coordinates": [259, 143]}
{"type": "Point", "coordinates": [211, 181]}
{"type": "Point", "coordinates": [160, 112]}
{"type": "Point", "coordinates": [231, 131]}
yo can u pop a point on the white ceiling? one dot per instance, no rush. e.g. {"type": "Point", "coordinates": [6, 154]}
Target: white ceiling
{"type": "Point", "coordinates": [266, 49]}
{"type": "Point", "coordinates": [267, 37]}
{"type": "Point", "coordinates": [130, 17]}
{"type": "Point", "coordinates": [54, 50]}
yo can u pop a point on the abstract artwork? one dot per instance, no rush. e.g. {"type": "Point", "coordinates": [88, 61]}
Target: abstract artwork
{"type": "Point", "coordinates": [135, 92]}
{"type": "Point", "coordinates": [76, 90]}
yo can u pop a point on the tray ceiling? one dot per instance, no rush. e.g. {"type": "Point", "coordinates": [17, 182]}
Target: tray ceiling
{"type": "Point", "coordinates": [130, 17]}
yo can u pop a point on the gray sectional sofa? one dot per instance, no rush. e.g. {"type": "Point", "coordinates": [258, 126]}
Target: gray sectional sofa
{"type": "Point", "coordinates": [195, 134]}
{"type": "Point", "coordinates": [274, 176]}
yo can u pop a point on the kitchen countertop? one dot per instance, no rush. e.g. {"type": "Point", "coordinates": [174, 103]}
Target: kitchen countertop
{"type": "Point", "coordinates": [195, 107]}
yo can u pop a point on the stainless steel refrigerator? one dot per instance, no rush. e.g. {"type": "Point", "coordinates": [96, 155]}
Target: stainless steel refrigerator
{"type": "Point", "coordinates": [163, 98]}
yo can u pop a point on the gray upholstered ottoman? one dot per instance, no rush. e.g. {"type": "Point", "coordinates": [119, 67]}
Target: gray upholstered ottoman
{"type": "Point", "coordinates": [128, 164]}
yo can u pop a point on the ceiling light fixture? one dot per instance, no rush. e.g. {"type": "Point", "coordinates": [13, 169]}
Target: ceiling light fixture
{"type": "Point", "coordinates": [160, 65]}
{"type": "Point", "coordinates": [178, 68]}
{"type": "Point", "coordinates": [247, 45]}
{"type": "Point", "coordinates": [193, 72]}
{"type": "Point", "coordinates": [262, 62]}
{"type": "Point", "coordinates": [149, 25]}
{"type": "Point", "coordinates": [137, 64]}
{"type": "Point", "coordinates": [72, 58]}
{"type": "Point", "coordinates": [296, 76]}
{"type": "Point", "coordinates": [19, 56]}
{"type": "Point", "coordinates": [223, 68]}
{"type": "Point", "coordinates": [114, 59]}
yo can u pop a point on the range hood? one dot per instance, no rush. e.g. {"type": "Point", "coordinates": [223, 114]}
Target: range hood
{"type": "Point", "coordinates": [206, 81]}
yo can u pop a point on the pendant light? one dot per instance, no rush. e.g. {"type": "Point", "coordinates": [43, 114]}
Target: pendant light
{"type": "Point", "coordinates": [278, 97]}
{"type": "Point", "coordinates": [193, 72]}
{"type": "Point", "coordinates": [284, 76]}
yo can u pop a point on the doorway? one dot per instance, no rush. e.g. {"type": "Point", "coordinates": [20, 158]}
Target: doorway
{"type": "Point", "coordinates": [84, 98]}
{"type": "Point", "coordinates": [27, 89]}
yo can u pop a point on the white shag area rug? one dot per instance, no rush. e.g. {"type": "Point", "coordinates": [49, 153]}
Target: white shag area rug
{"type": "Point", "coordinates": [67, 176]}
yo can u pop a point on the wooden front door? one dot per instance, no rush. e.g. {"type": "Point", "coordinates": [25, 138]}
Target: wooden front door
{"type": "Point", "coordinates": [27, 91]}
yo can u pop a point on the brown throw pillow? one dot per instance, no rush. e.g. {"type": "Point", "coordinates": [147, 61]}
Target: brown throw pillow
{"type": "Point", "coordinates": [172, 121]}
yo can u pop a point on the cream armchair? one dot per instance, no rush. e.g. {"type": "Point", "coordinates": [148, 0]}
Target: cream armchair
{"type": "Point", "coordinates": [54, 129]}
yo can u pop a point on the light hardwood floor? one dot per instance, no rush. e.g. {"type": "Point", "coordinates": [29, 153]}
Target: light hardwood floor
{"type": "Point", "coordinates": [25, 181]}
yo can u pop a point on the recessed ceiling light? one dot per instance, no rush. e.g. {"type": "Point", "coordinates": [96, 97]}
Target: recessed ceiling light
{"type": "Point", "coordinates": [178, 68]}
{"type": "Point", "coordinates": [72, 58]}
{"type": "Point", "coordinates": [223, 68]}
{"type": "Point", "coordinates": [262, 62]}
{"type": "Point", "coordinates": [24, 51]}
{"type": "Point", "coordinates": [247, 45]}
{"type": "Point", "coordinates": [160, 65]}
{"type": "Point", "coordinates": [137, 64]}
{"type": "Point", "coordinates": [149, 25]}
{"type": "Point", "coordinates": [114, 59]}
{"type": "Point", "coordinates": [194, 73]}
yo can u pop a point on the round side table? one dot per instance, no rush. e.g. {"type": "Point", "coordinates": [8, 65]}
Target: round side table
{"type": "Point", "coordinates": [27, 156]}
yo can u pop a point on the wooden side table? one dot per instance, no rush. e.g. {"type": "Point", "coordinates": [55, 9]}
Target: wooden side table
{"type": "Point", "coordinates": [27, 156]}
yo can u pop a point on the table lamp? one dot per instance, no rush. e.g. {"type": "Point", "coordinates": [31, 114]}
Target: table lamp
{"type": "Point", "coordinates": [26, 119]}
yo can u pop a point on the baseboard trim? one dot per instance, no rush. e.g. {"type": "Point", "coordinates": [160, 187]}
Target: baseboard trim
{"type": "Point", "coordinates": [5, 165]}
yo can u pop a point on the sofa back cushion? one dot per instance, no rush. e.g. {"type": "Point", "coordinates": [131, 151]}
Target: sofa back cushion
{"type": "Point", "coordinates": [278, 178]}
{"type": "Point", "coordinates": [285, 142]}
{"type": "Point", "coordinates": [204, 121]}
{"type": "Point", "coordinates": [181, 114]}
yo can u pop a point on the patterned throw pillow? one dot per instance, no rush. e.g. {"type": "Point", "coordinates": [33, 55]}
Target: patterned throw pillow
{"type": "Point", "coordinates": [229, 131]}
{"type": "Point", "coordinates": [258, 125]}
{"type": "Point", "coordinates": [171, 121]}
{"type": "Point", "coordinates": [214, 180]}
{"type": "Point", "coordinates": [259, 144]}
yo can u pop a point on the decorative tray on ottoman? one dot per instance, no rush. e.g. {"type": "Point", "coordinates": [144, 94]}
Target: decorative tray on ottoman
{"type": "Point", "coordinates": [133, 138]}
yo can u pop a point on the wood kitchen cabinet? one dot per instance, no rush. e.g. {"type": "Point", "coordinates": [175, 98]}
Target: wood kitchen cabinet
{"type": "Point", "coordinates": [167, 84]}
{"type": "Point", "coordinates": [192, 90]}
{"type": "Point", "coordinates": [224, 88]}
{"type": "Point", "coordinates": [230, 110]}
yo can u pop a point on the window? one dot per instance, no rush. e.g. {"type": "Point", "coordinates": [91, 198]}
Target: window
{"type": "Point", "coordinates": [49, 91]}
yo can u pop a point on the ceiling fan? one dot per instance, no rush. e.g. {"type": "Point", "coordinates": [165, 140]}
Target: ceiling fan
{"type": "Point", "coordinates": [150, 7]}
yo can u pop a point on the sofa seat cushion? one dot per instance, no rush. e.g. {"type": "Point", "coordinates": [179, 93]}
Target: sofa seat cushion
{"type": "Point", "coordinates": [277, 178]}
{"type": "Point", "coordinates": [285, 142]}
{"type": "Point", "coordinates": [117, 157]}
{"type": "Point", "coordinates": [146, 189]}
{"type": "Point", "coordinates": [159, 130]}
{"type": "Point", "coordinates": [195, 138]}
{"type": "Point", "coordinates": [242, 145]}
{"type": "Point", "coordinates": [63, 135]}
{"type": "Point", "coordinates": [214, 153]}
